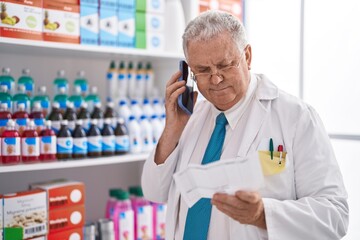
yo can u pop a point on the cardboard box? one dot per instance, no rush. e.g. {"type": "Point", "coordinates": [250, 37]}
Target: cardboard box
{"type": "Point", "coordinates": [66, 218]}
{"type": "Point", "coordinates": [155, 41]}
{"type": "Point", "coordinates": [89, 25]}
{"type": "Point", "coordinates": [126, 26]}
{"type": "Point", "coordinates": [108, 27]}
{"type": "Point", "coordinates": [62, 193]}
{"type": "Point", "coordinates": [76, 234]}
{"type": "Point", "coordinates": [23, 19]}
{"type": "Point", "coordinates": [25, 214]}
{"type": "Point", "coordinates": [61, 22]}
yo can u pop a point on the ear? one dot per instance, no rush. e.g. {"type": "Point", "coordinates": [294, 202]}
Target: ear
{"type": "Point", "coordinates": [248, 55]}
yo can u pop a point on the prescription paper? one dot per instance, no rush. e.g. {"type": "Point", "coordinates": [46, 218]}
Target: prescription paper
{"type": "Point", "coordinates": [225, 175]}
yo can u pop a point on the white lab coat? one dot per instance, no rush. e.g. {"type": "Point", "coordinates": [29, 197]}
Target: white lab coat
{"type": "Point", "coordinates": [305, 201]}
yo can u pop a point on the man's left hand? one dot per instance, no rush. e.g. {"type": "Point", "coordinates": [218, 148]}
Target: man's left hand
{"type": "Point", "coordinates": [244, 207]}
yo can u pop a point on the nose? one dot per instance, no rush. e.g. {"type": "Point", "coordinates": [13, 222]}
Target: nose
{"type": "Point", "coordinates": [216, 78]}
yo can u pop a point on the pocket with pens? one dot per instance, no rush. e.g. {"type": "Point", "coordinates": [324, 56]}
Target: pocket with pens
{"type": "Point", "coordinates": [274, 165]}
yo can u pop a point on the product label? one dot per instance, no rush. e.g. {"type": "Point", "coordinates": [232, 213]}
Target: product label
{"type": "Point", "coordinates": [122, 143]}
{"type": "Point", "coordinates": [94, 144]}
{"type": "Point", "coordinates": [126, 225]}
{"type": "Point", "coordinates": [48, 145]}
{"type": "Point", "coordinates": [100, 123]}
{"type": "Point", "coordinates": [144, 222]}
{"type": "Point", "coordinates": [86, 124]}
{"type": "Point", "coordinates": [108, 143]}
{"type": "Point", "coordinates": [160, 221]}
{"type": "Point", "coordinates": [20, 124]}
{"type": "Point", "coordinates": [10, 146]}
{"type": "Point", "coordinates": [3, 123]}
{"type": "Point", "coordinates": [80, 145]}
{"type": "Point", "coordinates": [30, 146]}
{"type": "Point", "coordinates": [55, 126]}
{"type": "Point", "coordinates": [71, 125]}
{"type": "Point", "coordinates": [39, 124]}
{"type": "Point", "coordinates": [64, 145]}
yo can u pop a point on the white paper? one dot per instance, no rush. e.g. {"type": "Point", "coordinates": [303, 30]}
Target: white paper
{"type": "Point", "coordinates": [225, 175]}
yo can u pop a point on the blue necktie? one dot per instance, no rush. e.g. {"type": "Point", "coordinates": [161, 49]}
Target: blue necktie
{"type": "Point", "coordinates": [198, 216]}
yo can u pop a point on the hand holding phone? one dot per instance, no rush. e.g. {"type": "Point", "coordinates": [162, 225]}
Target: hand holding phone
{"type": "Point", "coordinates": [186, 99]}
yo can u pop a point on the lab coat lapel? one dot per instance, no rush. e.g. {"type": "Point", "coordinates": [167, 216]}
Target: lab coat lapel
{"type": "Point", "coordinates": [260, 106]}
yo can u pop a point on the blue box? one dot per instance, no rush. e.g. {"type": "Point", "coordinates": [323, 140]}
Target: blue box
{"type": "Point", "coordinates": [108, 27]}
{"type": "Point", "coordinates": [126, 26]}
{"type": "Point", "coordinates": [89, 25]}
{"type": "Point", "coordinates": [127, 5]}
{"type": "Point", "coordinates": [90, 3]}
{"type": "Point", "coordinates": [113, 4]}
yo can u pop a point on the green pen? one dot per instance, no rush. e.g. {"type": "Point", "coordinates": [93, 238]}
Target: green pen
{"type": "Point", "coordinates": [271, 148]}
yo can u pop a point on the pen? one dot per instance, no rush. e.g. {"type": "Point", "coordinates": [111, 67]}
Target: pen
{"type": "Point", "coordinates": [280, 150]}
{"type": "Point", "coordinates": [271, 148]}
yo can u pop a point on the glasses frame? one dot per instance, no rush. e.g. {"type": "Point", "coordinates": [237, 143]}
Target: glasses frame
{"type": "Point", "coordinates": [219, 72]}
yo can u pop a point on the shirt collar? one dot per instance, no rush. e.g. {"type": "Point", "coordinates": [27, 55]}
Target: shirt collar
{"type": "Point", "coordinates": [234, 114]}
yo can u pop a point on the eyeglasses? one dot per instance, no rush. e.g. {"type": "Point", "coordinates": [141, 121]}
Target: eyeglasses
{"type": "Point", "coordinates": [222, 72]}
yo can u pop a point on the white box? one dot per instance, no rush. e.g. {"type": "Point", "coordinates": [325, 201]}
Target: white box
{"type": "Point", "coordinates": [155, 41]}
{"type": "Point", "coordinates": [155, 6]}
{"type": "Point", "coordinates": [155, 22]}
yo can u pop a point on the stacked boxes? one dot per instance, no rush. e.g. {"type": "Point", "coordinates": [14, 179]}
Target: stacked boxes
{"type": "Point", "coordinates": [89, 22]}
{"type": "Point", "coordinates": [150, 24]}
{"type": "Point", "coordinates": [21, 19]}
{"type": "Point", "coordinates": [25, 215]}
{"type": "Point", "coordinates": [126, 24]}
{"type": "Point", "coordinates": [66, 201]}
{"type": "Point", "coordinates": [61, 21]}
{"type": "Point", "coordinates": [108, 23]}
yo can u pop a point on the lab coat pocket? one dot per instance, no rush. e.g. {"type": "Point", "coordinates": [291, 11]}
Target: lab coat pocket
{"type": "Point", "coordinates": [272, 166]}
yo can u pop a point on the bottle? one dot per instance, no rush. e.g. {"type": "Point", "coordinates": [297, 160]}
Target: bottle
{"type": "Point", "coordinates": [76, 99]}
{"type": "Point", "coordinates": [136, 109]}
{"type": "Point", "coordinates": [163, 119]}
{"type": "Point", "coordinates": [48, 143]}
{"type": "Point", "coordinates": [134, 135]}
{"type": "Point", "coordinates": [21, 97]}
{"type": "Point", "coordinates": [5, 97]}
{"type": "Point", "coordinates": [70, 115]}
{"type": "Point", "coordinates": [110, 203]}
{"type": "Point", "coordinates": [55, 117]}
{"type": "Point", "coordinates": [110, 113]}
{"type": "Point", "coordinates": [146, 134]}
{"type": "Point", "coordinates": [64, 142]}
{"type": "Point", "coordinates": [111, 77]}
{"type": "Point", "coordinates": [131, 80]}
{"type": "Point", "coordinates": [27, 81]}
{"type": "Point", "coordinates": [122, 84]}
{"type": "Point", "coordinates": [92, 98]}
{"type": "Point", "coordinates": [7, 80]}
{"type": "Point", "coordinates": [30, 144]}
{"type": "Point", "coordinates": [80, 141]}
{"type": "Point", "coordinates": [61, 82]}
{"type": "Point", "coordinates": [94, 140]}
{"type": "Point", "coordinates": [108, 138]}
{"type": "Point", "coordinates": [149, 80]}
{"type": "Point", "coordinates": [159, 220]}
{"type": "Point", "coordinates": [122, 141]}
{"type": "Point", "coordinates": [10, 144]}
{"type": "Point", "coordinates": [147, 109]}
{"type": "Point", "coordinates": [158, 109]}
{"type": "Point", "coordinates": [5, 116]}
{"type": "Point", "coordinates": [123, 217]}
{"type": "Point", "coordinates": [84, 115]}
{"type": "Point", "coordinates": [98, 114]}
{"type": "Point", "coordinates": [62, 99]}
{"type": "Point", "coordinates": [44, 99]}
{"type": "Point", "coordinates": [82, 82]}
{"type": "Point", "coordinates": [140, 81]}
{"type": "Point", "coordinates": [124, 111]}
{"type": "Point", "coordinates": [38, 117]}
{"type": "Point", "coordinates": [20, 117]}
{"type": "Point", "coordinates": [143, 213]}
{"type": "Point", "coordinates": [157, 128]}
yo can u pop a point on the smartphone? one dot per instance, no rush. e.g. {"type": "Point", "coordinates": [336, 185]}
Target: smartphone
{"type": "Point", "coordinates": [186, 99]}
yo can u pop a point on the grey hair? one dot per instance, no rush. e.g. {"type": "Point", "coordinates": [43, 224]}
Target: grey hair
{"type": "Point", "coordinates": [212, 23]}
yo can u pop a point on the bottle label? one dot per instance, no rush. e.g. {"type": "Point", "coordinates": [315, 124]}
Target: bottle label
{"type": "Point", "coordinates": [10, 146]}
{"type": "Point", "coordinates": [86, 124]}
{"type": "Point", "coordinates": [160, 223]}
{"type": "Point", "coordinates": [20, 124]}
{"type": "Point", "coordinates": [30, 146]}
{"type": "Point", "coordinates": [29, 87]}
{"type": "Point", "coordinates": [144, 222]}
{"type": "Point", "coordinates": [108, 143]}
{"type": "Point", "coordinates": [80, 145]}
{"type": "Point", "coordinates": [3, 123]}
{"type": "Point", "coordinates": [100, 124]}
{"type": "Point", "coordinates": [94, 144]}
{"type": "Point", "coordinates": [48, 145]}
{"type": "Point", "coordinates": [71, 125]}
{"type": "Point", "coordinates": [126, 225]}
{"type": "Point", "coordinates": [64, 145]}
{"type": "Point", "coordinates": [39, 124]}
{"type": "Point", "coordinates": [122, 143]}
{"type": "Point", "coordinates": [55, 126]}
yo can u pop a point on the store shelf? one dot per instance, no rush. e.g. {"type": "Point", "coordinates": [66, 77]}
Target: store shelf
{"type": "Point", "coordinates": [20, 46]}
{"type": "Point", "coordinates": [74, 163]}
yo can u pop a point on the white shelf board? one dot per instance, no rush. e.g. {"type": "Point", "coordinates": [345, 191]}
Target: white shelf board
{"type": "Point", "coordinates": [117, 159]}
{"type": "Point", "coordinates": [21, 46]}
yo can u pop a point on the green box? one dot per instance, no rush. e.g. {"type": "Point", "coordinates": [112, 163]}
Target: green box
{"type": "Point", "coordinates": [141, 5]}
{"type": "Point", "coordinates": [140, 21]}
{"type": "Point", "coordinates": [140, 39]}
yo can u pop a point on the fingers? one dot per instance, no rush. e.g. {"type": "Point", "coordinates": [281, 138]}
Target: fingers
{"type": "Point", "coordinates": [250, 197]}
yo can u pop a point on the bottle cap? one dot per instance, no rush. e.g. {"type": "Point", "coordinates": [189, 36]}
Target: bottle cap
{"type": "Point", "coordinates": [31, 124]}
{"type": "Point", "coordinates": [94, 121]}
{"type": "Point", "coordinates": [84, 104]}
{"type": "Point", "coordinates": [37, 105]}
{"type": "Point", "coordinates": [121, 120]}
{"type": "Point", "coordinates": [11, 123]}
{"type": "Point", "coordinates": [81, 74]}
{"type": "Point", "coordinates": [146, 101]}
{"type": "Point", "coordinates": [122, 195]}
{"type": "Point", "coordinates": [42, 89]}
{"type": "Point", "coordinates": [4, 88]}
{"type": "Point", "coordinates": [70, 105]}
{"type": "Point", "coordinates": [131, 118]}
{"type": "Point", "coordinates": [21, 88]}
{"type": "Point", "coordinates": [107, 121]}
{"type": "Point", "coordinates": [56, 105]}
{"type": "Point", "coordinates": [122, 102]}
{"type": "Point", "coordinates": [105, 225]}
{"type": "Point", "coordinates": [134, 101]}
{"type": "Point", "coordinates": [6, 71]}
{"type": "Point", "coordinates": [136, 190]}
{"type": "Point", "coordinates": [21, 106]}
{"type": "Point", "coordinates": [94, 90]}
{"type": "Point", "coordinates": [64, 122]}
{"type": "Point", "coordinates": [79, 122]}
{"type": "Point", "coordinates": [61, 73]}
{"type": "Point", "coordinates": [26, 72]}
{"type": "Point", "coordinates": [142, 117]}
{"type": "Point", "coordinates": [97, 104]}
{"type": "Point", "coordinates": [48, 123]}
{"type": "Point", "coordinates": [110, 104]}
